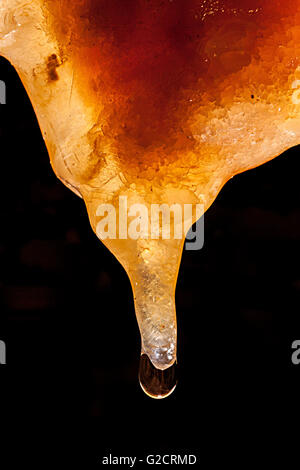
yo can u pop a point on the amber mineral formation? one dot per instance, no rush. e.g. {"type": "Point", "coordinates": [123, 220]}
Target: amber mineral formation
{"type": "Point", "coordinates": [156, 102]}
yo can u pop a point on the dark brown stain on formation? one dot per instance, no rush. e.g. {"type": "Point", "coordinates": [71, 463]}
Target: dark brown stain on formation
{"type": "Point", "coordinates": [151, 63]}
{"type": "Point", "coordinates": [143, 56]}
{"type": "Point", "coordinates": [52, 64]}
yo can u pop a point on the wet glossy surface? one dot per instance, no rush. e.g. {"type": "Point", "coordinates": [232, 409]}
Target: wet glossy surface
{"type": "Point", "coordinates": [157, 383]}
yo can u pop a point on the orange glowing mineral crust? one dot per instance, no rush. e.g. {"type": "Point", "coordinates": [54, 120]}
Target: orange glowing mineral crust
{"type": "Point", "coordinates": [156, 102]}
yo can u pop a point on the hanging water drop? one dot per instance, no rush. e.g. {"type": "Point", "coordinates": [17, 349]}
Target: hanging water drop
{"type": "Point", "coordinates": [157, 383]}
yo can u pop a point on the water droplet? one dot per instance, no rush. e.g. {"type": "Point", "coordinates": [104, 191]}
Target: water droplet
{"type": "Point", "coordinates": [156, 383]}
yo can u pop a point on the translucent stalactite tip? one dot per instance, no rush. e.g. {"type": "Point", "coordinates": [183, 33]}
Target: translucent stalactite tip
{"type": "Point", "coordinates": [157, 383]}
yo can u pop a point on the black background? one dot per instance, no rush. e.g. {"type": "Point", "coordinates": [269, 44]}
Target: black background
{"type": "Point", "coordinates": [72, 340]}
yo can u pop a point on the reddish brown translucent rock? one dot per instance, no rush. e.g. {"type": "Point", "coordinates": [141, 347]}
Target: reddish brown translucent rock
{"type": "Point", "coordinates": [161, 101]}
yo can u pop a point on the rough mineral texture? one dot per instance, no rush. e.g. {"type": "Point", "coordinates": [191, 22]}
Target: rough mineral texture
{"type": "Point", "coordinates": [161, 101]}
